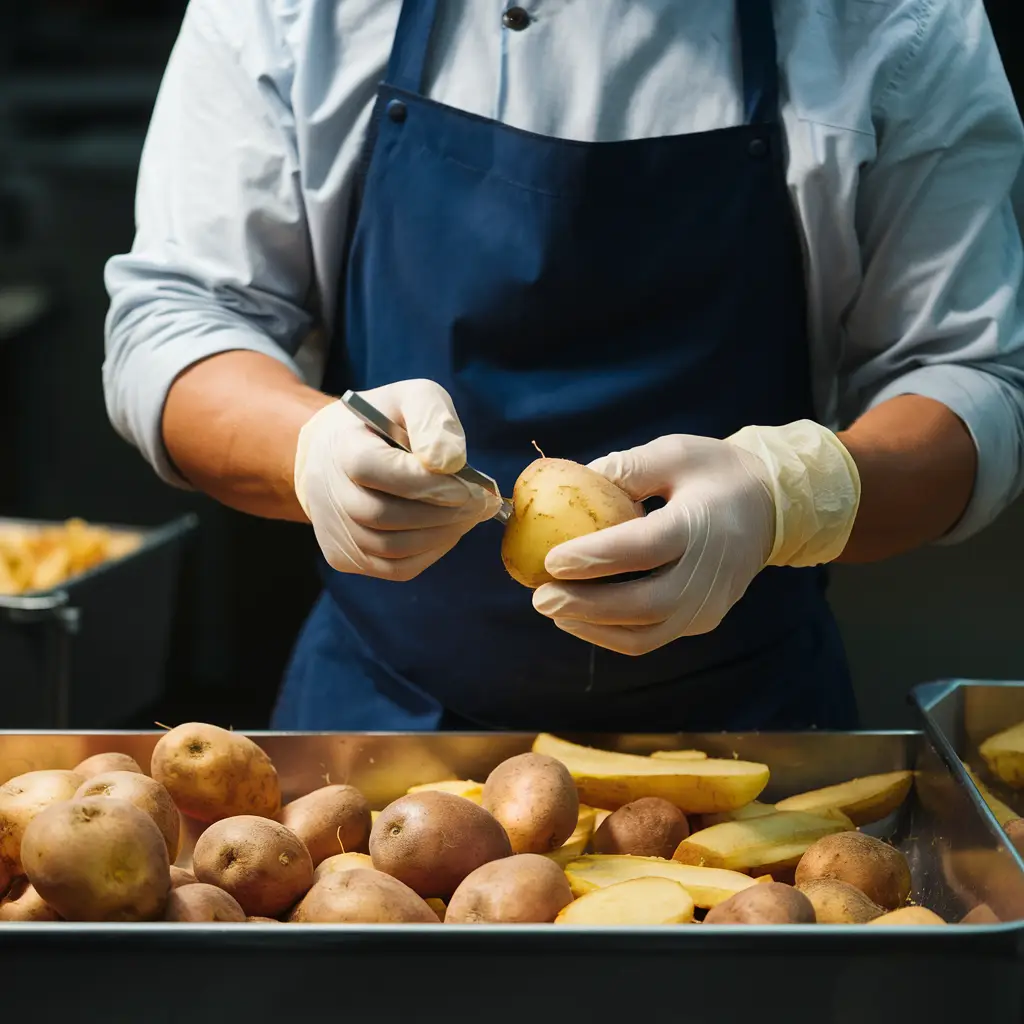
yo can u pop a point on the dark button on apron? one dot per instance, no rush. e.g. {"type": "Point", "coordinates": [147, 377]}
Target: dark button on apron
{"type": "Point", "coordinates": [592, 297]}
{"type": "Point", "coordinates": [397, 111]}
{"type": "Point", "coordinates": [516, 19]}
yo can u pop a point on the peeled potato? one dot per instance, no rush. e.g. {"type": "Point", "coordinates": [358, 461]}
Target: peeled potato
{"type": "Point", "coordinates": [863, 800]}
{"type": "Point", "coordinates": [523, 889]}
{"type": "Point", "coordinates": [908, 916]}
{"type": "Point", "coordinates": [23, 903]}
{"type": "Point", "coordinates": [362, 896]}
{"type": "Point", "coordinates": [554, 501]}
{"type": "Point", "coordinates": [145, 793]}
{"type": "Point", "coordinates": [108, 762]}
{"type": "Point", "coordinates": [769, 903]}
{"type": "Point", "coordinates": [202, 902]}
{"type": "Point", "coordinates": [707, 886]}
{"type": "Point", "coordinates": [341, 862]}
{"type": "Point", "coordinates": [648, 827]}
{"type": "Point", "coordinates": [638, 902]}
{"type": "Point", "coordinates": [981, 914]}
{"type": "Point", "coordinates": [679, 755]}
{"type": "Point", "coordinates": [755, 809]}
{"type": "Point", "coordinates": [459, 787]}
{"type": "Point", "coordinates": [1004, 755]}
{"type": "Point", "coordinates": [880, 871]}
{"type": "Point", "coordinates": [838, 902]}
{"type": "Point", "coordinates": [21, 799]}
{"type": "Point", "coordinates": [1003, 812]}
{"type": "Point", "coordinates": [330, 820]}
{"type": "Point", "coordinates": [576, 845]}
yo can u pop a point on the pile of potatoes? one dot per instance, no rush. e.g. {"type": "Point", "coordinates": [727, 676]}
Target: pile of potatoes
{"type": "Point", "coordinates": [564, 834]}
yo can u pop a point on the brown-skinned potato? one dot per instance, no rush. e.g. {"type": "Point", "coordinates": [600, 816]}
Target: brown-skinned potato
{"type": "Point", "coordinates": [181, 876]}
{"type": "Point", "coordinates": [21, 799]}
{"type": "Point", "coordinates": [23, 903]}
{"type": "Point", "coordinates": [330, 820]}
{"type": "Point", "coordinates": [766, 903]}
{"type": "Point", "coordinates": [838, 902]}
{"type": "Point", "coordinates": [879, 870]}
{"type": "Point", "coordinates": [145, 793]}
{"type": "Point", "coordinates": [112, 761]}
{"type": "Point", "coordinates": [648, 827]}
{"type": "Point", "coordinates": [526, 888]}
{"type": "Point", "coordinates": [202, 902]}
{"type": "Point", "coordinates": [362, 896]}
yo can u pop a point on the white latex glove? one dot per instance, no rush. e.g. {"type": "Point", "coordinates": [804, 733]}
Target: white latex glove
{"type": "Point", "coordinates": [378, 511]}
{"type": "Point", "coordinates": [767, 496]}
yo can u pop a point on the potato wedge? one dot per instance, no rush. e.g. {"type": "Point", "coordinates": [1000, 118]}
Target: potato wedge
{"type": "Point", "coordinates": [576, 844]}
{"type": "Point", "coordinates": [1003, 812]}
{"type": "Point", "coordinates": [862, 800]}
{"type": "Point", "coordinates": [755, 809]}
{"type": "Point", "coordinates": [1004, 755]}
{"type": "Point", "coordinates": [696, 786]}
{"type": "Point", "coordinates": [707, 886]}
{"type": "Point", "coordinates": [460, 787]}
{"type": "Point", "coordinates": [679, 755]}
{"type": "Point", "coordinates": [761, 845]}
{"type": "Point", "coordinates": [907, 916]}
{"type": "Point", "coordinates": [637, 901]}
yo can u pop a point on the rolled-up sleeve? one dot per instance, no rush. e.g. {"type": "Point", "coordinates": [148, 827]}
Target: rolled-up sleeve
{"type": "Point", "coordinates": [221, 259]}
{"type": "Point", "coordinates": [940, 310]}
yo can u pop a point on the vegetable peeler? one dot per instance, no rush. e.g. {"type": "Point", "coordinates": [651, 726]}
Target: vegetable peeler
{"type": "Point", "coordinates": [396, 436]}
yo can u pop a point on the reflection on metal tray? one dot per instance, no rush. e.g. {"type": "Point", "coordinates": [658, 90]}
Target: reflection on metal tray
{"type": "Point", "coordinates": [807, 974]}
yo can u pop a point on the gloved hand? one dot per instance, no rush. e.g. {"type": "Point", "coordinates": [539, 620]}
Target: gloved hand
{"type": "Point", "coordinates": [378, 511]}
{"type": "Point", "coordinates": [766, 496]}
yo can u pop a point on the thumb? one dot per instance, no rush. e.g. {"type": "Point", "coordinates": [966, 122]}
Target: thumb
{"type": "Point", "coordinates": [426, 411]}
{"type": "Point", "coordinates": [641, 472]}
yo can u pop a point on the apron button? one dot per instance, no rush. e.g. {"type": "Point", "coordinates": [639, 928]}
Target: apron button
{"type": "Point", "coordinates": [757, 147]}
{"type": "Point", "coordinates": [397, 111]}
{"type": "Point", "coordinates": [516, 19]}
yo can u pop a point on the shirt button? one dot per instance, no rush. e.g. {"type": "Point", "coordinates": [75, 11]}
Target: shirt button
{"type": "Point", "coordinates": [515, 18]}
{"type": "Point", "coordinates": [757, 147]}
{"type": "Point", "coordinates": [397, 111]}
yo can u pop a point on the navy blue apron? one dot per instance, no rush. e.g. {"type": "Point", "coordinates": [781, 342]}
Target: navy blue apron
{"type": "Point", "coordinates": [591, 296]}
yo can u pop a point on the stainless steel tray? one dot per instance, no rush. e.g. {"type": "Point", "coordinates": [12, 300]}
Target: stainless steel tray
{"type": "Point", "coordinates": [195, 973]}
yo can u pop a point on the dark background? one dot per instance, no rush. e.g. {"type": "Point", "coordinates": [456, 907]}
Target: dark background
{"type": "Point", "coordinates": [77, 81]}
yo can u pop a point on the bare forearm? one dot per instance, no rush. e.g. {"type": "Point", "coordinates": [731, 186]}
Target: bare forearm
{"type": "Point", "coordinates": [917, 464]}
{"type": "Point", "coordinates": [231, 424]}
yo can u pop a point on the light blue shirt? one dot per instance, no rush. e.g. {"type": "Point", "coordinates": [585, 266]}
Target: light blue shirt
{"type": "Point", "coordinates": [904, 143]}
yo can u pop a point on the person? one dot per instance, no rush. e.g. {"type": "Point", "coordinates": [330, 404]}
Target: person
{"type": "Point", "coordinates": [755, 262]}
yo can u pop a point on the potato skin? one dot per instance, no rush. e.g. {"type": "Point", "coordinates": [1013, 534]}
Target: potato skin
{"type": "Point", "coordinates": [880, 871]}
{"type": "Point", "coordinates": [181, 876]}
{"type": "Point", "coordinates": [432, 840]}
{"type": "Point", "coordinates": [23, 903]}
{"type": "Point", "coordinates": [98, 859]}
{"type": "Point", "coordinates": [838, 902]}
{"type": "Point", "coordinates": [648, 827]}
{"type": "Point", "coordinates": [21, 799]}
{"type": "Point", "coordinates": [341, 862]}
{"type": "Point", "coordinates": [330, 820]}
{"type": "Point", "coordinates": [362, 896]}
{"type": "Point", "coordinates": [202, 902]}
{"type": "Point", "coordinates": [259, 862]}
{"type": "Point", "coordinates": [212, 773]}
{"type": "Point", "coordinates": [766, 903]}
{"type": "Point", "coordinates": [145, 793]}
{"type": "Point", "coordinates": [534, 798]}
{"type": "Point", "coordinates": [1014, 830]}
{"type": "Point", "coordinates": [100, 764]}
{"type": "Point", "coordinates": [526, 888]}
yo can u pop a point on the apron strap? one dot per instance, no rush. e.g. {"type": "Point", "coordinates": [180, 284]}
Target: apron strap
{"type": "Point", "coordinates": [759, 61]}
{"type": "Point", "coordinates": [410, 46]}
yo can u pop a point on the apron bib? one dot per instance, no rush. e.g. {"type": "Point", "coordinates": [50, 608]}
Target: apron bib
{"type": "Point", "coordinates": [591, 296]}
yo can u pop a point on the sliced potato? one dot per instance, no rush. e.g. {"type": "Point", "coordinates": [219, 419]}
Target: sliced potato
{"type": "Point", "coordinates": [862, 800]}
{"type": "Point", "coordinates": [908, 916]}
{"type": "Point", "coordinates": [637, 901]}
{"type": "Point", "coordinates": [696, 786]}
{"type": "Point", "coordinates": [707, 886]}
{"type": "Point", "coordinates": [766, 844]}
{"type": "Point", "coordinates": [1003, 812]}
{"type": "Point", "coordinates": [755, 809]}
{"type": "Point", "coordinates": [1004, 755]}
{"type": "Point", "coordinates": [576, 844]}
{"type": "Point", "coordinates": [679, 755]}
{"type": "Point", "coordinates": [460, 787]}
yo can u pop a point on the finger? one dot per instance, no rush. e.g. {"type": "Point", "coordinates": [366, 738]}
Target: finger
{"type": "Point", "coordinates": [646, 602]}
{"type": "Point", "coordinates": [640, 545]}
{"type": "Point", "coordinates": [619, 639]}
{"type": "Point", "coordinates": [395, 545]}
{"type": "Point", "coordinates": [641, 471]}
{"type": "Point", "coordinates": [428, 414]}
{"type": "Point", "coordinates": [345, 556]}
{"type": "Point", "coordinates": [380, 511]}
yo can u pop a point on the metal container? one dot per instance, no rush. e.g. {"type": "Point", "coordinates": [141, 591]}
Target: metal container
{"type": "Point", "coordinates": [275, 973]}
{"type": "Point", "coordinates": [92, 652]}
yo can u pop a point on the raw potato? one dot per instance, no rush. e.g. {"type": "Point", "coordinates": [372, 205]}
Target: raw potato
{"type": "Point", "coordinates": [1004, 755]}
{"type": "Point", "coordinates": [838, 902]}
{"type": "Point", "coordinates": [23, 903]}
{"type": "Point", "coordinates": [533, 797]}
{"type": "Point", "coordinates": [459, 787]}
{"type": "Point", "coordinates": [202, 902]}
{"type": "Point", "coordinates": [145, 793]}
{"type": "Point", "coordinates": [330, 820]}
{"type": "Point", "coordinates": [97, 859]}
{"type": "Point", "coordinates": [438, 907]}
{"type": "Point", "coordinates": [755, 809]}
{"type": "Point", "coordinates": [99, 764]}
{"type": "Point", "coordinates": [981, 914]}
{"type": "Point", "coordinates": [766, 845]}
{"type": "Point", "coordinates": [181, 876]}
{"type": "Point", "coordinates": [555, 500]}
{"type": "Point", "coordinates": [263, 864]}
{"type": "Point", "coordinates": [695, 786]}
{"type": "Point", "coordinates": [707, 886]}
{"type": "Point", "coordinates": [638, 902]}
{"type": "Point", "coordinates": [341, 862]}
{"type": "Point", "coordinates": [1014, 830]}
{"type": "Point", "coordinates": [770, 903]}
{"type": "Point", "coordinates": [648, 827]}
{"type": "Point", "coordinates": [576, 845]}
{"type": "Point", "coordinates": [21, 799]}
{"type": "Point", "coordinates": [362, 896]}
{"type": "Point", "coordinates": [679, 755]}
{"type": "Point", "coordinates": [256, 919]}
{"type": "Point", "coordinates": [863, 800]}
{"type": "Point", "coordinates": [880, 871]}
{"type": "Point", "coordinates": [431, 841]}
{"type": "Point", "coordinates": [1003, 813]}
{"type": "Point", "coordinates": [908, 916]}
{"type": "Point", "coordinates": [524, 889]}
{"type": "Point", "coordinates": [212, 773]}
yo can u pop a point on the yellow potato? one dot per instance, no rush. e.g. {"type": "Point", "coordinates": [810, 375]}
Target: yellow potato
{"type": "Point", "coordinates": [1003, 812]}
{"type": "Point", "coordinates": [879, 870]}
{"type": "Point", "coordinates": [637, 902]}
{"type": "Point", "coordinates": [554, 501]}
{"type": "Point", "coordinates": [698, 786]}
{"type": "Point", "coordinates": [707, 886]}
{"type": "Point", "coordinates": [766, 844]}
{"type": "Point", "coordinates": [1004, 755]}
{"type": "Point", "coordinates": [838, 902]}
{"type": "Point", "coordinates": [771, 903]}
{"type": "Point", "coordinates": [863, 800]}
{"type": "Point", "coordinates": [576, 845]}
{"type": "Point", "coordinates": [459, 787]}
{"type": "Point", "coordinates": [341, 862]}
{"type": "Point", "coordinates": [679, 755]}
{"type": "Point", "coordinates": [755, 809]}
{"type": "Point", "coordinates": [21, 799]}
{"type": "Point", "coordinates": [908, 916]}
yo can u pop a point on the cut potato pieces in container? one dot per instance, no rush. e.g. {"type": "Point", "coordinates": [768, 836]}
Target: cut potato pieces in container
{"type": "Point", "coordinates": [1004, 814]}
{"type": "Point", "coordinates": [907, 917]}
{"type": "Point", "coordinates": [862, 800]}
{"type": "Point", "coordinates": [679, 755]}
{"type": "Point", "coordinates": [696, 786]}
{"type": "Point", "coordinates": [755, 809]}
{"type": "Point", "coordinates": [637, 902]}
{"type": "Point", "coordinates": [576, 845]}
{"type": "Point", "coordinates": [707, 886]}
{"type": "Point", "coordinates": [459, 787]}
{"type": "Point", "coordinates": [759, 845]}
{"type": "Point", "coordinates": [1004, 755]}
